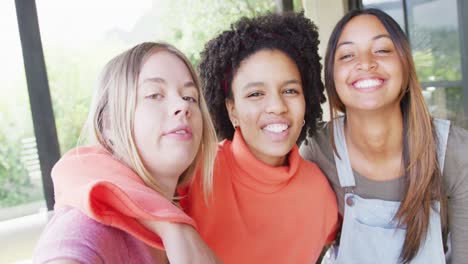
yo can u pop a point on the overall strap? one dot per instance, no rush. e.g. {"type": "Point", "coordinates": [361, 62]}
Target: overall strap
{"type": "Point", "coordinates": [343, 164]}
{"type": "Point", "coordinates": [442, 129]}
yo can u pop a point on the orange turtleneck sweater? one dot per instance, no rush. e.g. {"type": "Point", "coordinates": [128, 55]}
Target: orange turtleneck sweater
{"type": "Point", "coordinates": [257, 213]}
{"type": "Point", "coordinates": [264, 214]}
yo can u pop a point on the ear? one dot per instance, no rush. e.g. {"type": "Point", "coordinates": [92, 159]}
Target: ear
{"type": "Point", "coordinates": [231, 108]}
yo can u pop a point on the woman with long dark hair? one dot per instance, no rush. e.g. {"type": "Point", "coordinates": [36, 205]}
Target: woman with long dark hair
{"type": "Point", "coordinates": [401, 176]}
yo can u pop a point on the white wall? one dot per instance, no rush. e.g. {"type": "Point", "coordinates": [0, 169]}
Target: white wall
{"type": "Point", "coordinates": [325, 14]}
{"type": "Point", "coordinates": [19, 236]}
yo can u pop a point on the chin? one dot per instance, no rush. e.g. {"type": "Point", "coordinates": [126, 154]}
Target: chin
{"type": "Point", "coordinates": [181, 158]}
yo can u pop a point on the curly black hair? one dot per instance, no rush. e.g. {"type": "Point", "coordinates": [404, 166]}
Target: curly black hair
{"type": "Point", "coordinates": [291, 33]}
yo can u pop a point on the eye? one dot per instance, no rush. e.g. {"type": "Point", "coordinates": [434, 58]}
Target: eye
{"type": "Point", "coordinates": [346, 57]}
{"type": "Point", "coordinates": [190, 99]}
{"type": "Point", "coordinates": [383, 51]}
{"type": "Point", "coordinates": [255, 94]}
{"type": "Point", "coordinates": [291, 91]}
{"type": "Point", "coordinates": [156, 96]}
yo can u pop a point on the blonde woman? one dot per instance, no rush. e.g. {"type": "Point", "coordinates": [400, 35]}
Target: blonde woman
{"type": "Point", "coordinates": [151, 129]}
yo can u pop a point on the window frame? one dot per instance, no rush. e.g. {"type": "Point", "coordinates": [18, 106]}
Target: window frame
{"type": "Point", "coordinates": [39, 94]}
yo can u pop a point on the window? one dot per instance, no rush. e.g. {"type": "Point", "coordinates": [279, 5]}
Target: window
{"type": "Point", "coordinates": [20, 176]}
{"type": "Point", "coordinates": [79, 37]}
{"type": "Point", "coordinates": [436, 46]}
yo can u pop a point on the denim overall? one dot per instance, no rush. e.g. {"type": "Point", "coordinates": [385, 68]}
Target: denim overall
{"type": "Point", "coordinates": [369, 233]}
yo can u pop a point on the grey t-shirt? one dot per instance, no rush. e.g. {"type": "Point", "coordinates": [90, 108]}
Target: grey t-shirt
{"type": "Point", "coordinates": [320, 151]}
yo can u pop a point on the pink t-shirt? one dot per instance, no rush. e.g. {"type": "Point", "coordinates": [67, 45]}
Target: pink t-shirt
{"type": "Point", "coordinates": [72, 235]}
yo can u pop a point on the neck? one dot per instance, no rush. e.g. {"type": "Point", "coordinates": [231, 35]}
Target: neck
{"type": "Point", "coordinates": [273, 161]}
{"type": "Point", "coordinates": [377, 136]}
{"type": "Point", "coordinates": [167, 182]}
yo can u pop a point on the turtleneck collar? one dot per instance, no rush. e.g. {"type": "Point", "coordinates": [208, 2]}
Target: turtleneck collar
{"type": "Point", "coordinates": [257, 175]}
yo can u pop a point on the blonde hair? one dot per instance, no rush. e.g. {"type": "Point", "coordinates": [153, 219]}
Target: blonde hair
{"type": "Point", "coordinates": [111, 117]}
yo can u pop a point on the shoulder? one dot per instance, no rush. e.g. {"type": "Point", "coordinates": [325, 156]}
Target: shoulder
{"type": "Point", "coordinates": [457, 136]}
{"type": "Point", "coordinates": [456, 161]}
{"type": "Point", "coordinates": [72, 235]}
{"type": "Point", "coordinates": [319, 144]}
{"type": "Point", "coordinates": [455, 177]}
{"type": "Point", "coordinates": [318, 149]}
{"type": "Point", "coordinates": [312, 174]}
{"type": "Point", "coordinates": [457, 149]}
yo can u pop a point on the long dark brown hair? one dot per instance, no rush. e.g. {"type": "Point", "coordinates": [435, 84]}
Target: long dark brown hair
{"type": "Point", "coordinates": [423, 177]}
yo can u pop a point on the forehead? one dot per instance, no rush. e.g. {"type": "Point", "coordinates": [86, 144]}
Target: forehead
{"type": "Point", "coordinates": [362, 27]}
{"type": "Point", "coordinates": [266, 63]}
{"type": "Point", "coordinates": [164, 64]}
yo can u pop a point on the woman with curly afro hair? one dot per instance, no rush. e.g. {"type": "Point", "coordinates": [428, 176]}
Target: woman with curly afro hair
{"type": "Point", "coordinates": [261, 80]}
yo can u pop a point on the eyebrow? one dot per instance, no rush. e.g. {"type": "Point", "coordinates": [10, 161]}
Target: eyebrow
{"type": "Point", "coordinates": [374, 38]}
{"type": "Point", "coordinates": [188, 84]}
{"type": "Point", "coordinates": [253, 84]}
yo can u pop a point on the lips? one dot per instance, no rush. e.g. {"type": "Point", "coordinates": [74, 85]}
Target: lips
{"type": "Point", "coordinates": [276, 131]}
{"type": "Point", "coordinates": [180, 132]}
{"type": "Point", "coordinates": [368, 83]}
{"type": "Point", "coordinates": [276, 127]}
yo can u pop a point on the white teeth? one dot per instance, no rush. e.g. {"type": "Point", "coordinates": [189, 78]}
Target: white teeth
{"type": "Point", "coordinates": [181, 132]}
{"type": "Point", "coordinates": [369, 83]}
{"type": "Point", "coordinates": [276, 128]}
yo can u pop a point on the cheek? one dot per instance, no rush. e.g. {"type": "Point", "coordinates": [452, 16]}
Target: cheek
{"type": "Point", "coordinates": [398, 74]}
{"type": "Point", "coordinates": [197, 120]}
{"type": "Point", "coordinates": [146, 124]}
{"type": "Point", "coordinates": [247, 112]}
{"type": "Point", "coordinates": [298, 107]}
{"type": "Point", "coordinates": [248, 116]}
{"type": "Point", "coordinates": [340, 75]}
{"type": "Point", "coordinates": [339, 78]}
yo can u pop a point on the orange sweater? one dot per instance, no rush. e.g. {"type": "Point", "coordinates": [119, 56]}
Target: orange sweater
{"type": "Point", "coordinates": [264, 214]}
{"type": "Point", "coordinates": [258, 214]}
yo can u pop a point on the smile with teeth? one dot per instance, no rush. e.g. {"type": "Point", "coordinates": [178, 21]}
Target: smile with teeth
{"type": "Point", "coordinates": [276, 128]}
{"type": "Point", "coordinates": [180, 132]}
{"type": "Point", "coordinates": [368, 83]}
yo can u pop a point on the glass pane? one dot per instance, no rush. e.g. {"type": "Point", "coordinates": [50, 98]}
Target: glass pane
{"type": "Point", "coordinates": [20, 175]}
{"type": "Point", "coordinates": [392, 7]}
{"type": "Point", "coordinates": [80, 36]}
{"type": "Point", "coordinates": [434, 36]}
{"type": "Point", "coordinates": [446, 103]}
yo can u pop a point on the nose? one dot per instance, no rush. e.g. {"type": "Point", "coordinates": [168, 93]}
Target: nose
{"type": "Point", "coordinates": [276, 105]}
{"type": "Point", "coordinates": [181, 107]}
{"type": "Point", "coordinates": [367, 62]}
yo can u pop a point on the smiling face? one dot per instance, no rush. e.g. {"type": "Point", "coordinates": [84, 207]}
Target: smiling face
{"type": "Point", "coordinates": [268, 104]}
{"type": "Point", "coordinates": [367, 69]}
{"type": "Point", "coordinates": [168, 121]}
